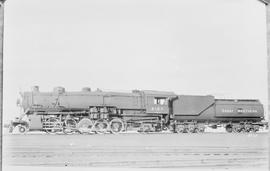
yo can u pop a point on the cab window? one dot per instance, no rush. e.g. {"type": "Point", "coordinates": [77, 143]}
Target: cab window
{"type": "Point", "coordinates": [160, 101]}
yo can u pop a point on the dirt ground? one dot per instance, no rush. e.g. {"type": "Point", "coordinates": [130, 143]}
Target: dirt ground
{"type": "Point", "coordinates": [207, 151]}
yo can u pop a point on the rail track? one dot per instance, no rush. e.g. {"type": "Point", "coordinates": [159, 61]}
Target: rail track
{"type": "Point", "coordinates": [138, 150]}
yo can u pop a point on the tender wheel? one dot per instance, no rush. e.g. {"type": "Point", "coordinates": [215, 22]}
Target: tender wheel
{"type": "Point", "coordinates": [247, 128]}
{"type": "Point", "coordinates": [236, 129]}
{"type": "Point", "coordinates": [53, 125]}
{"type": "Point", "coordinates": [229, 128]}
{"type": "Point", "coordinates": [70, 126]}
{"type": "Point", "coordinates": [85, 126]}
{"type": "Point", "coordinates": [116, 125]}
{"type": "Point", "coordinates": [101, 126]}
{"type": "Point", "coordinates": [196, 130]}
{"type": "Point", "coordinates": [201, 128]}
{"type": "Point", "coordinates": [256, 128]}
{"type": "Point", "coordinates": [251, 130]}
{"type": "Point", "coordinates": [191, 129]}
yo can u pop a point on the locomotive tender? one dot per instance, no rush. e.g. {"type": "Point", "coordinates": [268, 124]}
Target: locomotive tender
{"type": "Point", "coordinates": [89, 111]}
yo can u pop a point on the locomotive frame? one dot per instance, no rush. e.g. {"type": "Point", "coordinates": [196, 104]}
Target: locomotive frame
{"type": "Point", "coordinates": [89, 112]}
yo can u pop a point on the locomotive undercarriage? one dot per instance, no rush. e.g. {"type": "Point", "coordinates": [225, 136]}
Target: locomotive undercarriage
{"type": "Point", "coordinates": [188, 127]}
{"type": "Point", "coordinates": [83, 125]}
{"type": "Point", "coordinates": [243, 127]}
{"type": "Point", "coordinates": [91, 125]}
{"type": "Point", "coordinates": [191, 126]}
{"type": "Point", "coordinates": [97, 119]}
{"type": "Point", "coordinates": [103, 123]}
{"type": "Point", "coordinates": [100, 119]}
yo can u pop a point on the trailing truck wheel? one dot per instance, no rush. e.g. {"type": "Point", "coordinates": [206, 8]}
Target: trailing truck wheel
{"type": "Point", "coordinates": [101, 126]}
{"type": "Point", "coordinates": [85, 126]}
{"type": "Point", "coordinates": [180, 129]}
{"type": "Point", "coordinates": [116, 125]}
{"type": "Point", "coordinates": [70, 126]}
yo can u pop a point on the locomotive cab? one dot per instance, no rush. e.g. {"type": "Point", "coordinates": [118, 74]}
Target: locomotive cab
{"type": "Point", "coordinates": [157, 101]}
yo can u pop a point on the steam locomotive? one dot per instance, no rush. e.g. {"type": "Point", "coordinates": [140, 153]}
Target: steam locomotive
{"type": "Point", "coordinates": [91, 112]}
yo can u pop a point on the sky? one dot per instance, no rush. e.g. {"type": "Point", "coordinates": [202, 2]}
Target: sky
{"type": "Point", "coordinates": [197, 47]}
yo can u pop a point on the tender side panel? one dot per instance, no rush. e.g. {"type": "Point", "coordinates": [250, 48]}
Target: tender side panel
{"type": "Point", "coordinates": [191, 105]}
{"type": "Point", "coordinates": [206, 115]}
{"type": "Point", "coordinates": [238, 108]}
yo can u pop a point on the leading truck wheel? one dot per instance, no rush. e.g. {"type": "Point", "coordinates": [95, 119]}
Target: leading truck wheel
{"type": "Point", "coordinates": [21, 129]}
{"type": "Point", "coordinates": [116, 126]}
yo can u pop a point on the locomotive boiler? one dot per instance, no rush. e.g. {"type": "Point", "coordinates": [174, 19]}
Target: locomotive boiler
{"type": "Point", "coordinates": [89, 111]}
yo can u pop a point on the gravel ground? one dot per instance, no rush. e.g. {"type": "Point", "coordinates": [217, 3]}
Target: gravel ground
{"type": "Point", "coordinates": [192, 151]}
